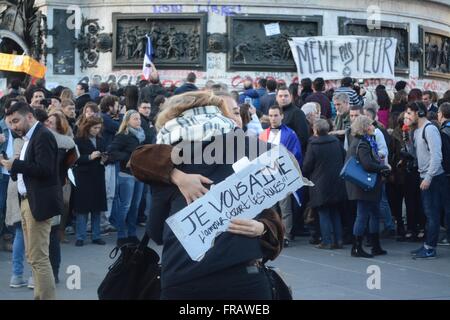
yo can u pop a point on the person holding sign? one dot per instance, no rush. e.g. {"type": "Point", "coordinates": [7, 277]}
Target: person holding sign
{"type": "Point", "coordinates": [230, 265]}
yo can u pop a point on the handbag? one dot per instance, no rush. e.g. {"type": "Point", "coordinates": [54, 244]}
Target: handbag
{"type": "Point", "coordinates": [135, 275]}
{"type": "Point", "coordinates": [354, 172]}
{"type": "Point", "coordinates": [280, 289]}
{"type": "Point", "coordinates": [71, 157]}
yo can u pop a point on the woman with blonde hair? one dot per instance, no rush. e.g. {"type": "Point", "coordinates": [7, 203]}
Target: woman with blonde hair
{"type": "Point", "coordinates": [365, 149]}
{"type": "Point", "coordinates": [67, 94]}
{"type": "Point", "coordinates": [198, 118]}
{"type": "Point", "coordinates": [129, 136]}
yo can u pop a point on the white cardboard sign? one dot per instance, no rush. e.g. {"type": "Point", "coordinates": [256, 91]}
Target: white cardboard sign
{"type": "Point", "coordinates": [336, 57]}
{"type": "Point", "coordinates": [272, 29]}
{"type": "Point", "coordinates": [258, 186]}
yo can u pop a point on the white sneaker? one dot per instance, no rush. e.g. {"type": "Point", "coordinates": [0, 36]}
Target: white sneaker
{"type": "Point", "coordinates": [17, 282]}
{"type": "Point", "coordinates": [444, 242]}
{"type": "Point", "coordinates": [30, 282]}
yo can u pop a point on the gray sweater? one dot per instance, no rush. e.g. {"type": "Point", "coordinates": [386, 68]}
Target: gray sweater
{"type": "Point", "coordinates": [429, 157]}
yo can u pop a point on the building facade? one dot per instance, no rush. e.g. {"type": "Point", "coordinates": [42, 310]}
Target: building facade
{"type": "Point", "coordinates": [225, 41]}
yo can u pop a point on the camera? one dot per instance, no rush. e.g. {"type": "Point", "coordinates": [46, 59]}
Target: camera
{"type": "Point", "coordinates": [248, 100]}
{"type": "Point", "coordinates": [45, 103]}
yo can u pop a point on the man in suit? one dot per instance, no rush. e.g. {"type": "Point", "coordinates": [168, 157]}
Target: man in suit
{"type": "Point", "coordinates": [40, 192]}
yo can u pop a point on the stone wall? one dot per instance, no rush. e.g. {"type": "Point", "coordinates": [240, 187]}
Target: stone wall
{"type": "Point", "coordinates": [415, 13]}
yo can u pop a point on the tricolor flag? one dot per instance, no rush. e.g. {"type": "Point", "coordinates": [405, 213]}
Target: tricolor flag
{"type": "Point", "coordinates": [146, 67]}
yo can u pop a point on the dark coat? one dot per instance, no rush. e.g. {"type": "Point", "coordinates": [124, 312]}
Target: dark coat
{"type": "Point", "coordinates": [81, 102]}
{"type": "Point", "coordinates": [295, 119]}
{"type": "Point", "coordinates": [149, 129]}
{"type": "Point", "coordinates": [370, 163]}
{"type": "Point", "coordinates": [266, 101]}
{"type": "Point", "coordinates": [323, 162]}
{"type": "Point", "coordinates": [122, 147]}
{"type": "Point", "coordinates": [185, 88]}
{"type": "Point", "coordinates": [150, 92]}
{"type": "Point", "coordinates": [110, 127]}
{"type": "Point", "coordinates": [41, 175]}
{"type": "Point", "coordinates": [322, 99]}
{"type": "Point", "coordinates": [252, 94]}
{"type": "Point", "coordinates": [90, 191]}
{"type": "Point", "coordinates": [228, 250]}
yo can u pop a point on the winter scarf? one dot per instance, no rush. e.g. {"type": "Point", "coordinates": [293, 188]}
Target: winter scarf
{"type": "Point", "coordinates": [138, 133]}
{"type": "Point", "coordinates": [197, 124]}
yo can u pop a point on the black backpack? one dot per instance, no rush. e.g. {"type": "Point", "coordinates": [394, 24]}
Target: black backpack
{"type": "Point", "coordinates": [445, 138]}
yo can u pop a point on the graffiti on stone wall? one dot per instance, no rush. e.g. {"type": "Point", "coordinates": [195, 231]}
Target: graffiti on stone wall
{"type": "Point", "coordinates": [235, 80]}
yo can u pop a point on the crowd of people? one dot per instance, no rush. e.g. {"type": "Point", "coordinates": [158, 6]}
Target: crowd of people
{"type": "Point", "coordinates": [402, 136]}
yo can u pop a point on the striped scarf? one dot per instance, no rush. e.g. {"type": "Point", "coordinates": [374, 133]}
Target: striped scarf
{"type": "Point", "coordinates": [197, 124]}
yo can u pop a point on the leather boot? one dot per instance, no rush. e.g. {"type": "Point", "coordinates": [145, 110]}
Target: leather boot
{"type": "Point", "coordinates": [376, 247]}
{"type": "Point", "coordinates": [357, 249]}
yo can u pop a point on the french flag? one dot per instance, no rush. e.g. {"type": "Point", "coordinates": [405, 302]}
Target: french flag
{"type": "Point", "coordinates": [149, 53]}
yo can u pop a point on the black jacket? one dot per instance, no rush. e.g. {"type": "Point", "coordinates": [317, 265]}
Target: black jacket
{"type": "Point", "coordinates": [323, 162]}
{"type": "Point", "coordinates": [370, 163]}
{"type": "Point", "coordinates": [295, 119]}
{"type": "Point", "coordinates": [149, 129]}
{"type": "Point", "coordinates": [122, 147]}
{"type": "Point", "coordinates": [81, 102]}
{"type": "Point", "coordinates": [90, 191]}
{"type": "Point", "coordinates": [266, 101]}
{"type": "Point", "coordinates": [185, 88]}
{"type": "Point", "coordinates": [150, 92]}
{"type": "Point", "coordinates": [40, 171]}
{"type": "Point", "coordinates": [228, 249]}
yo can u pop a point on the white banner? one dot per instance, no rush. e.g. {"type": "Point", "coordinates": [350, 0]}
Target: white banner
{"type": "Point", "coordinates": [336, 57]}
{"type": "Point", "coordinates": [258, 186]}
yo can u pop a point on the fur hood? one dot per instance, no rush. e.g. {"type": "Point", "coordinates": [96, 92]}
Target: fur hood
{"type": "Point", "coordinates": [63, 141]}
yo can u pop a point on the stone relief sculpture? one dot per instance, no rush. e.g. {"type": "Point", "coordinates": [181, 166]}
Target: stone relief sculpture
{"type": "Point", "coordinates": [253, 47]}
{"type": "Point", "coordinates": [437, 53]}
{"type": "Point", "coordinates": [172, 41]}
{"type": "Point", "coordinates": [359, 28]}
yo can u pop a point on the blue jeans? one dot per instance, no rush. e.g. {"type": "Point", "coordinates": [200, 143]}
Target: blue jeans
{"type": "Point", "coordinates": [115, 202]}
{"type": "Point", "coordinates": [18, 250]}
{"type": "Point", "coordinates": [330, 222]}
{"type": "Point", "coordinates": [446, 196]}
{"type": "Point", "coordinates": [130, 195]}
{"type": "Point", "coordinates": [4, 180]}
{"type": "Point", "coordinates": [148, 200]}
{"type": "Point", "coordinates": [385, 210]}
{"type": "Point", "coordinates": [366, 209]}
{"type": "Point", "coordinates": [434, 200]}
{"type": "Point", "coordinates": [82, 222]}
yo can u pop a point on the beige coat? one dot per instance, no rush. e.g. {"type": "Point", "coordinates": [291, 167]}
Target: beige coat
{"type": "Point", "coordinates": [12, 199]}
